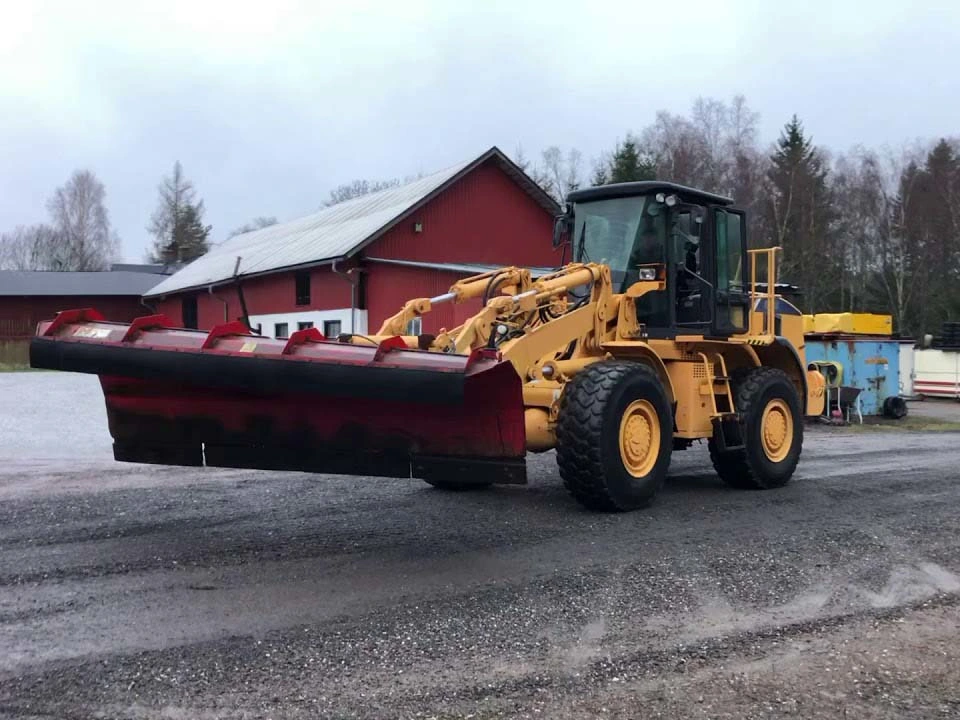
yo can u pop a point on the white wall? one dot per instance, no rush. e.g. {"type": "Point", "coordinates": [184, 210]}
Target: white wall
{"type": "Point", "coordinates": [317, 317]}
{"type": "Point", "coordinates": [906, 369]}
{"type": "Point", "coordinates": [936, 373]}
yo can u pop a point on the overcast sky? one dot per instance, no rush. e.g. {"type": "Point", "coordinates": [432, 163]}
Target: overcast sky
{"type": "Point", "coordinates": [269, 105]}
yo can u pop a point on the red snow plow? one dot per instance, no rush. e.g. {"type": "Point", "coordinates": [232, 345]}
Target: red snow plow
{"type": "Point", "coordinates": [229, 398]}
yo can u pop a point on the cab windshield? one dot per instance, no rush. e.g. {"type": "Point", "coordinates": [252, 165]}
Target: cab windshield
{"type": "Point", "coordinates": [623, 233]}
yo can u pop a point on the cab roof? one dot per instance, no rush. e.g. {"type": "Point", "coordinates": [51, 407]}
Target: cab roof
{"type": "Point", "coordinates": [644, 187]}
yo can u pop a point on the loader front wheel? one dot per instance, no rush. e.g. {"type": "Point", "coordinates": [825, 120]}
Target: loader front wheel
{"type": "Point", "coordinates": [772, 427]}
{"type": "Point", "coordinates": [614, 436]}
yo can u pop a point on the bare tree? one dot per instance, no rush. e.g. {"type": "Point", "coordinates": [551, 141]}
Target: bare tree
{"type": "Point", "coordinates": [258, 223]}
{"type": "Point", "coordinates": [359, 188]}
{"type": "Point", "coordinates": [678, 149]}
{"type": "Point", "coordinates": [742, 126]}
{"type": "Point", "coordinates": [711, 126]}
{"type": "Point", "coordinates": [520, 158]}
{"type": "Point", "coordinates": [84, 240]}
{"type": "Point", "coordinates": [896, 257]}
{"type": "Point", "coordinates": [552, 159]}
{"type": "Point", "coordinates": [715, 148]}
{"type": "Point", "coordinates": [560, 173]}
{"type": "Point", "coordinates": [929, 205]}
{"type": "Point", "coordinates": [29, 247]}
{"type": "Point", "coordinates": [572, 179]}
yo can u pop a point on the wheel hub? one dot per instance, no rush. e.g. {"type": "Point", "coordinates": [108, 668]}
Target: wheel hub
{"type": "Point", "coordinates": [639, 438]}
{"type": "Point", "coordinates": [776, 430]}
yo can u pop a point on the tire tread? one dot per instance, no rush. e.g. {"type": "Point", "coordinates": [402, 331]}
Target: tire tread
{"type": "Point", "coordinates": [580, 432]}
{"type": "Point", "coordinates": [734, 467]}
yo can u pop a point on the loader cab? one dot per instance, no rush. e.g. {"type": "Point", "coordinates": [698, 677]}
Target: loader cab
{"type": "Point", "coordinates": [697, 239]}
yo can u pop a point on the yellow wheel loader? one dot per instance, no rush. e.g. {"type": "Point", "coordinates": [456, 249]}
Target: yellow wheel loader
{"type": "Point", "coordinates": [657, 334]}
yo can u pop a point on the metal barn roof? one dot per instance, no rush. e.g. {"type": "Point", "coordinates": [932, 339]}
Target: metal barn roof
{"type": "Point", "coordinates": [332, 233]}
{"type": "Point", "coordinates": [29, 283]}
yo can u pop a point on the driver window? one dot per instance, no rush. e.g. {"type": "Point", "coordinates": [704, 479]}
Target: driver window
{"type": "Point", "coordinates": [685, 236]}
{"type": "Point", "coordinates": [692, 293]}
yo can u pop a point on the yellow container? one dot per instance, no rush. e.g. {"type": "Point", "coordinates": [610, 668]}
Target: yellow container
{"type": "Point", "coordinates": [853, 323]}
{"type": "Point", "coordinates": [807, 324]}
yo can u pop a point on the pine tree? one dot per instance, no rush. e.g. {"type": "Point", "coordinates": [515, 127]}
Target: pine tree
{"type": "Point", "coordinates": [177, 223]}
{"type": "Point", "coordinates": [628, 164]}
{"type": "Point", "coordinates": [600, 174]}
{"type": "Point", "coordinates": [933, 232]}
{"type": "Point", "coordinates": [800, 213]}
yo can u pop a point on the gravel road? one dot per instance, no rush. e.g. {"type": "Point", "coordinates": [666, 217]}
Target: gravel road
{"type": "Point", "coordinates": [151, 592]}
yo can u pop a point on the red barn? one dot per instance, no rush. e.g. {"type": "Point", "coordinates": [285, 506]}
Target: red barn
{"type": "Point", "coordinates": [349, 266]}
{"type": "Point", "coordinates": [28, 297]}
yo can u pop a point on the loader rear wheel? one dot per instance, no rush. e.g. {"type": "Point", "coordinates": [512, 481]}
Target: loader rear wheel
{"type": "Point", "coordinates": [772, 426]}
{"type": "Point", "coordinates": [614, 436]}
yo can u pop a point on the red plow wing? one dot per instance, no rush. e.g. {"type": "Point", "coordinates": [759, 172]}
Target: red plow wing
{"type": "Point", "coordinates": [231, 399]}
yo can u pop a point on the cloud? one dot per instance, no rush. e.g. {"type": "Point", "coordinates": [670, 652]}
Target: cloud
{"type": "Point", "coordinates": [269, 105]}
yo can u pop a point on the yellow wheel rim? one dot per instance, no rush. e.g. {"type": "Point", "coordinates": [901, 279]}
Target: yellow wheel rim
{"type": "Point", "coordinates": [776, 430]}
{"type": "Point", "coordinates": [639, 438]}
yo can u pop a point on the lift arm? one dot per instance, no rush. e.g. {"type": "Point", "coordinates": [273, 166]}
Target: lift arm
{"type": "Point", "coordinates": [509, 280]}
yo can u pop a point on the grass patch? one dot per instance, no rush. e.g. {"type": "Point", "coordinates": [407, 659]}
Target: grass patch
{"type": "Point", "coordinates": [16, 367]}
{"type": "Point", "coordinates": [14, 354]}
{"type": "Point", "coordinates": [913, 423]}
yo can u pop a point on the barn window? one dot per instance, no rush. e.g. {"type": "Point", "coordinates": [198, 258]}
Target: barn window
{"type": "Point", "coordinates": [304, 325]}
{"type": "Point", "coordinates": [415, 326]}
{"type": "Point", "coordinates": [188, 306]}
{"type": "Point", "coordinates": [280, 330]}
{"type": "Point", "coordinates": [302, 282]}
{"type": "Point", "coordinates": [331, 328]}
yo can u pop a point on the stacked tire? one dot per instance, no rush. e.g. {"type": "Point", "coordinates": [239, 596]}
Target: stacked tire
{"type": "Point", "coordinates": [950, 335]}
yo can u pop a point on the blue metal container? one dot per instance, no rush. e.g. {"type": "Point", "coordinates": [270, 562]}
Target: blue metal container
{"type": "Point", "coordinates": [869, 363]}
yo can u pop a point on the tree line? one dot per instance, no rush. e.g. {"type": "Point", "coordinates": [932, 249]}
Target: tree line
{"type": "Point", "coordinates": [80, 237]}
{"type": "Point", "coordinates": [865, 230]}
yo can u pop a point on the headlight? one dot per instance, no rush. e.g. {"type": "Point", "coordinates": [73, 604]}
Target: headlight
{"type": "Point", "coordinates": [648, 273]}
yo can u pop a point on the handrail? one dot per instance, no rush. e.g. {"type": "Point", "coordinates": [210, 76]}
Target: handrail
{"type": "Point", "coordinates": [769, 316]}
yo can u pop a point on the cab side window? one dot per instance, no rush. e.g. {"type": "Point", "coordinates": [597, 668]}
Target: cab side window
{"type": "Point", "coordinates": [731, 260]}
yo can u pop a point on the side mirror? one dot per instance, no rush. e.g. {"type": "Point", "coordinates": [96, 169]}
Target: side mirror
{"type": "Point", "coordinates": [561, 230]}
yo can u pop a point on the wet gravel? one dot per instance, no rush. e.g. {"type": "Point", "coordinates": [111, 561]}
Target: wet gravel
{"type": "Point", "coordinates": [130, 591]}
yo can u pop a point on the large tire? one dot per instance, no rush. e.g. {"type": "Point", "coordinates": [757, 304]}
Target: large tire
{"type": "Point", "coordinates": [614, 436]}
{"type": "Point", "coordinates": [772, 425]}
{"type": "Point", "coordinates": [895, 407]}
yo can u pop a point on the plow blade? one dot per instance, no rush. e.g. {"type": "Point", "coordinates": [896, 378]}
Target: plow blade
{"type": "Point", "coordinates": [228, 398]}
